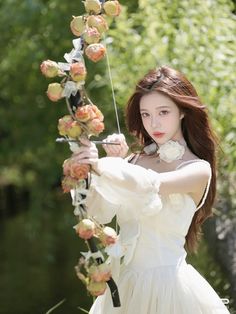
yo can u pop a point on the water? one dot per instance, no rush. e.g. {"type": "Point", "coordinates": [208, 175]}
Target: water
{"type": "Point", "coordinates": [38, 252]}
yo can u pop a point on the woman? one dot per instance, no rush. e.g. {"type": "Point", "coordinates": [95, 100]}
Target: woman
{"type": "Point", "coordinates": [161, 198]}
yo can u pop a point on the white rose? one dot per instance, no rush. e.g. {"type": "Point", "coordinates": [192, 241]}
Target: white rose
{"type": "Point", "coordinates": [171, 151]}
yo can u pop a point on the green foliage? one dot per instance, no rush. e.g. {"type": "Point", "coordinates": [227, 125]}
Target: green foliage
{"type": "Point", "coordinates": [198, 39]}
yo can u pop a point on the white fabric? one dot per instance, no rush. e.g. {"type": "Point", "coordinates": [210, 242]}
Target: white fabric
{"type": "Point", "coordinates": [154, 277]}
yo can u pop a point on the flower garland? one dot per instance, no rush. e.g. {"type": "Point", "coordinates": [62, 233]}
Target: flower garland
{"type": "Point", "coordinates": [84, 119]}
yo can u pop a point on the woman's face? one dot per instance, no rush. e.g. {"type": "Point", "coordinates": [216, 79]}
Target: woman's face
{"type": "Point", "coordinates": [161, 117]}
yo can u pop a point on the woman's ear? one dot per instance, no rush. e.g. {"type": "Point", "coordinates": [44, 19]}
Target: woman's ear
{"type": "Point", "coordinates": [181, 116]}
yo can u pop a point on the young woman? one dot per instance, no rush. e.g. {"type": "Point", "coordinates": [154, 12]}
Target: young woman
{"type": "Point", "coordinates": [160, 196]}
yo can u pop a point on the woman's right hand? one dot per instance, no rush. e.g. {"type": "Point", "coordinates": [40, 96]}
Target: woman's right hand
{"type": "Point", "coordinates": [120, 150]}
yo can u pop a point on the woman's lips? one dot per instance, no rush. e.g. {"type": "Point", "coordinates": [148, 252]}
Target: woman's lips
{"type": "Point", "coordinates": [158, 134]}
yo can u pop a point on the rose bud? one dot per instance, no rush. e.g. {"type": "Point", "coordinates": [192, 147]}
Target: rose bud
{"type": "Point", "coordinates": [50, 68]}
{"type": "Point", "coordinates": [112, 8]}
{"type": "Point", "coordinates": [78, 71]}
{"type": "Point", "coordinates": [108, 236]}
{"type": "Point", "coordinates": [77, 25]}
{"type": "Point", "coordinates": [97, 21]}
{"type": "Point", "coordinates": [54, 91]}
{"type": "Point", "coordinates": [79, 171]}
{"type": "Point", "coordinates": [85, 113]}
{"type": "Point", "coordinates": [100, 272]}
{"type": "Point", "coordinates": [97, 288]}
{"type": "Point", "coordinates": [95, 52]}
{"type": "Point", "coordinates": [98, 113]}
{"type": "Point", "coordinates": [91, 35]}
{"type": "Point", "coordinates": [66, 166]}
{"type": "Point", "coordinates": [68, 183]}
{"type": "Point", "coordinates": [95, 126]}
{"type": "Point", "coordinates": [85, 229]}
{"type": "Point", "coordinates": [93, 6]}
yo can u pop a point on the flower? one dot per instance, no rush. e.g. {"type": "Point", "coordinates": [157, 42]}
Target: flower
{"type": "Point", "coordinates": [91, 35]}
{"type": "Point", "coordinates": [171, 151]}
{"type": "Point", "coordinates": [78, 71]}
{"type": "Point", "coordinates": [97, 21]}
{"type": "Point", "coordinates": [95, 126]}
{"type": "Point", "coordinates": [54, 91]}
{"type": "Point", "coordinates": [97, 288]}
{"type": "Point", "coordinates": [74, 169]}
{"type": "Point", "coordinates": [85, 113]}
{"type": "Point", "coordinates": [98, 113]}
{"type": "Point", "coordinates": [100, 272]}
{"type": "Point", "coordinates": [85, 229]}
{"type": "Point", "coordinates": [112, 8]}
{"type": "Point", "coordinates": [68, 126]}
{"type": "Point", "coordinates": [68, 183]}
{"type": "Point", "coordinates": [92, 6]}
{"type": "Point", "coordinates": [50, 68]}
{"type": "Point", "coordinates": [108, 236]}
{"type": "Point", "coordinates": [77, 25]}
{"type": "Point", "coordinates": [95, 52]}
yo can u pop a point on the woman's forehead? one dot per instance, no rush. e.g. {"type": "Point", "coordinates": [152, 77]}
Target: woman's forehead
{"type": "Point", "coordinates": [156, 100]}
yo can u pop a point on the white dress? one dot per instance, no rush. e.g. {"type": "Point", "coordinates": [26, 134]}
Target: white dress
{"type": "Point", "coordinates": [153, 277]}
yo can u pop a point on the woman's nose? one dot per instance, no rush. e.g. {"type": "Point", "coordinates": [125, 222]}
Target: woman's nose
{"type": "Point", "coordinates": [155, 122]}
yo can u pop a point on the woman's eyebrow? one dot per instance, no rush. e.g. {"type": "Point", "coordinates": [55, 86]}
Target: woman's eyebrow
{"type": "Point", "coordinates": [159, 107]}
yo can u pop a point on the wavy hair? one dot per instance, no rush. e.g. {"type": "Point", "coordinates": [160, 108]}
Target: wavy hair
{"type": "Point", "coordinates": [195, 126]}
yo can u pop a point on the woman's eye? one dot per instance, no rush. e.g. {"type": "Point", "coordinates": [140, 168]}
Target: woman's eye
{"type": "Point", "coordinates": [164, 112]}
{"type": "Point", "coordinates": [144, 114]}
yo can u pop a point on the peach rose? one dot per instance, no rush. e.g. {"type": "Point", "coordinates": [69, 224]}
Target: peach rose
{"type": "Point", "coordinates": [92, 6]}
{"type": "Point", "coordinates": [108, 236]}
{"type": "Point", "coordinates": [77, 25]}
{"type": "Point", "coordinates": [98, 113]}
{"type": "Point", "coordinates": [68, 183]}
{"type": "Point", "coordinates": [54, 91]}
{"type": "Point", "coordinates": [74, 169]}
{"type": "Point", "coordinates": [95, 126]}
{"type": "Point", "coordinates": [91, 35]}
{"type": "Point", "coordinates": [97, 288]}
{"type": "Point", "coordinates": [100, 272]}
{"type": "Point", "coordinates": [78, 71]}
{"type": "Point", "coordinates": [68, 126]}
{"type": "Point", "coordinates": [95, 52]}
{"type": "Point", "coordinates": [85, 113]}
{"type": "Point", "coordinates": [97, 21]}
{"type": "Point", "coordinates": [85, 229]}
{"type": "Point", "coordinates": [49, 68]}
{"type": "Point", "coordinates": [112, 8]}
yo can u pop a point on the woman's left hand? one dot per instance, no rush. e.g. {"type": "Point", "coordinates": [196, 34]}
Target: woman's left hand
{"type": "Point", "coordinates": [87, 153]}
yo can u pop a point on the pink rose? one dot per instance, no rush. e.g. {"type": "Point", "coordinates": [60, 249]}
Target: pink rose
{"type": "Point", "coordinates": [74, 169]}
{"type": "Point", "coordinates": [95, 52]}
{"type": "Point", "coordinates": [91, 35]}
{"type": "Point", "coordinates": [97, 21]}
{"type": "Point", "coordinates": [85, 229]}
{"type": "Point", "coordinates": [49, 68]}
{"type": "Point", "coordinates": [68, 183]}
{"type": "Point", "coordinates": [92, 6]}
{"type": "Point", "coordinates": [100, 272]}
{"type": "Point", "coordinates": [112, 8]}
{"type": "Point", "coordinates": [68, 126]}
{"type": "Point", "coordinates": [77, 25]}
{"type": "Point", "coordinates": [95, 126]}
{"type": "Point", "coordinates": [54, 91]}
{"type": "Point", "coordinates": [98, 113]}
{"type": "Point", "coordinates": [108, 236]}
{"type": "Point", "coordinates": [97, 288]}
{"type": "Point", "coordinates": [78, 71]}
{"type": "Point", "coordinates": [85, 113]}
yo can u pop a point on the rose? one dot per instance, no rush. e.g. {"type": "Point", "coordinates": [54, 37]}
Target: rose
{"type": "Point", "coordinates": [98, 113]}
{"type": "Point", "coordinates": [95, 126]}
{"type": "Point", "coordinates": [108, 236]}
{"type": "Point", "coordinates": [97, 288]}
{"type": "Point", "coordinates": [85, 229]}
{"type": "Point", "coordinates": [68, 183]}
{"type": "Point", "coordinates": [91, 35]}
{"type": "Point", "coordinates": [171, 151]}
{"type": "Point", "coordinates": [74, 169]}
{"type": "Point", "coordinates": [97, 21]}
{"type": "Point", "coordinates": [92, 6]}
{"type": "Point", "coordinates": [78, 71]}
{"type": "Point", "coordinates": [50, 68]}
{"type": "Point", "coordinates": [77, 25]}
{"type": "Point", "coordinates": [85, 113]}
{"type": "Point", "coordinates": [54, 91]}
{"type": "Point", "coordinates": [112, 8]}
{"type": "Point", "coordinates": [100, 272]}
{"type": "Point", "coordinates": [68, 126]}
{"type": "Point", "coordinates": [95, 52]}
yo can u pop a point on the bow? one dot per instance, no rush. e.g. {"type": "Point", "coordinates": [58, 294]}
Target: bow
{"type": "Point", "coordinates": [85, 119]}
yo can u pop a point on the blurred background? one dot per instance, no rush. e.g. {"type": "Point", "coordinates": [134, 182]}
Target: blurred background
{"type": "Point", "coordinates": [38, 246]}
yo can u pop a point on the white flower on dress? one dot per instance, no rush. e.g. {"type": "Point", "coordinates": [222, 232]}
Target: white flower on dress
{"type": "Point", "coordinates": [171, 151]}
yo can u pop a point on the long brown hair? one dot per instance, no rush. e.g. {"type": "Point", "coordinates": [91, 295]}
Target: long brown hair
{"type": "Point", "coordinates": [196, 130]}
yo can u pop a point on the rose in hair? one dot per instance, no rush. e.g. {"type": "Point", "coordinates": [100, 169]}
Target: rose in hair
{"type": "Point", "coordinates": [54, 91]}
